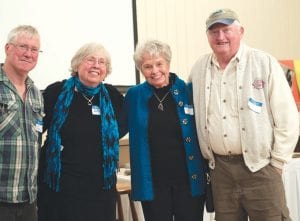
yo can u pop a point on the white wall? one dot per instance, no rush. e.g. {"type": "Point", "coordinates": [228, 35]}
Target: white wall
{"type": "Point", "coordinates": [65, 25]}
{"type": "Point", "coordinates": [271, 25]}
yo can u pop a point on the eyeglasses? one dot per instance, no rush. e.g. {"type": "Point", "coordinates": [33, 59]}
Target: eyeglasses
{"type": "Point", "coordinates": [24, 48]}
{"type": "Point", "coordinates": [92, 61]}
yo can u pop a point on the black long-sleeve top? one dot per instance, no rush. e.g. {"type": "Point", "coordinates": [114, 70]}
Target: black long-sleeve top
{"type": "Point", "coordinates": [81, 159]}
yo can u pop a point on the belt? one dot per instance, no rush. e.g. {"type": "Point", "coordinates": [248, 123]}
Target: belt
{"type": "Point", "coordinates": [22, 204]}
{"type": "Point", "coordinates": [231, 157]}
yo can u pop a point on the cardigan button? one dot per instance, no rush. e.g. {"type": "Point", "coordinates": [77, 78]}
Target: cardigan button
{"type": "Point", "coordinates": [175, 92]}
{"type": "Point", "coordinates": [194, 176]}
{"type": "Point", "coordinates": [188, 139]}
{"type": "Point", "coordinates": [191, 157]}
{"type": "Point", "coordinates": [180, 103]}
{"type": "Point", "coordinates": [185, 121]}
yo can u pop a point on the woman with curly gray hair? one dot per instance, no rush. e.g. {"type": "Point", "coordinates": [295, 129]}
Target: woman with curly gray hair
{"type": "Point", "coordinates": [80, 156]}
{"type": "Point", "coordinates": [167, 168]}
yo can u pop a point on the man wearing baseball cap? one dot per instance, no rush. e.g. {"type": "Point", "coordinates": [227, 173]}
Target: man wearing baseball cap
{"type": "Point", "coordinates": [247, 123]}
{"type": "Point", "coordinates": [223, 16]}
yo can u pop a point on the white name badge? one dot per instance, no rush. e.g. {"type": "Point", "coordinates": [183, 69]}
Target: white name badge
{"type": "Point", "coordinates": [39, 126]}
{"type": "Point", "coordinates": [188, 109]}
{"type": "Point", "coordinates": [95, 110]}
{"type": "Point", "coordinates": [254, 105]}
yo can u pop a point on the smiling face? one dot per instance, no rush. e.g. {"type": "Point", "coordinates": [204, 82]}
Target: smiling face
{"type": "Point", "coordinates": [156, 70]}
{"type": "Point", "coordinates": [22, 54]}
{"type": "Point", "coordinates": [225, 39]}
{"type": "Point", "coordinates": [92, 70]}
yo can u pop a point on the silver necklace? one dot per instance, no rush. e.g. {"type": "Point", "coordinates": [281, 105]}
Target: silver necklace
{"type": "Point", "coordinates": [160, 106]}
{"type": "Point", "coordinates": [89, 100]}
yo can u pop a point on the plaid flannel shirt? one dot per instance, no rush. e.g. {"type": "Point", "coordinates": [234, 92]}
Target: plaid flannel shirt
{"type": "Point", "coordinates": [20, 140]}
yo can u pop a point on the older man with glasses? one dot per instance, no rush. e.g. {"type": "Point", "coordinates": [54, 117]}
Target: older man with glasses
{"type": "Point", "coordinates": [21, 111]}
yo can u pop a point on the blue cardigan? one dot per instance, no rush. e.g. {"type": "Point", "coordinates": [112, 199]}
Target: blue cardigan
{"type": "Point", "coordinates": [135, 120]}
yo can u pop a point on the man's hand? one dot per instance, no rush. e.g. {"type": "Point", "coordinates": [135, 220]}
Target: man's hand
{"type": "Point", "coordinates": [278, 170]}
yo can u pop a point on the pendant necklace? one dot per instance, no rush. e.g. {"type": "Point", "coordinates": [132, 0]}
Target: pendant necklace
{"type": "Point", "coordinates": [89, 100]}
{"type": "Point", "coordinates": [160, 105]}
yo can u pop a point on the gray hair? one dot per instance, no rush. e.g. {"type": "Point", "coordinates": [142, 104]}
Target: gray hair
{"type": "Point", "coordinates": [86, 50]}
{"type": "Point", "coordinates": [154, 48]}
{"type": "Point", "coordinates": [237, 23]}
{"type": "Point", "coordinates": [22, 30]}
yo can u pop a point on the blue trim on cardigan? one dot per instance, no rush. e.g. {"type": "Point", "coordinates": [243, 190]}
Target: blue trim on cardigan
{"type": "Point", "coordinates": [135, 119]}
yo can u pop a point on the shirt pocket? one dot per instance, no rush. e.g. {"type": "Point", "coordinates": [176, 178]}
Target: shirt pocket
{"type": "Point", "coordinates": [37, 120]}
{"type": "Point", "coordinates": [9, 119]}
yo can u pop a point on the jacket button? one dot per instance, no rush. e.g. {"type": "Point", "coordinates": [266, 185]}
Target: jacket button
{"type": "Point", "coordinates": [185, 121]}
{"type": "Point", "coordinates": [194, 176]}
{"type": "Point", "coordinates": [180, 103]}
{"type": "Point", "coordinates": [175, 92]}
{"type": "Point", "coordinates": [188, 139]}
{"type": "Point", "coordinates": [191, 157]}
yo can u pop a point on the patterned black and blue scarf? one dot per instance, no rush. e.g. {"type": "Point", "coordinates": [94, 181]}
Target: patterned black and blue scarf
{"type": "Point", "coordinates": [109, 131]}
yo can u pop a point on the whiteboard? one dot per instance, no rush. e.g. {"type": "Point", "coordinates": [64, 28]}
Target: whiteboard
{"type": "Point", "coordinates": [66, 25]}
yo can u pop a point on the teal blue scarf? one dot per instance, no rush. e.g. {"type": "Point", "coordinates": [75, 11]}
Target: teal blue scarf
{"type": "Point", "coordinates": [109, 131]}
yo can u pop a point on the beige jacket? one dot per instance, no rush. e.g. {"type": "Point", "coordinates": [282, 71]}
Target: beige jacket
{"type": "Point", "coordinates": [269, 124]}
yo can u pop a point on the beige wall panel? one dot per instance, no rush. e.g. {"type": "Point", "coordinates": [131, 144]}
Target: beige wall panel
{"type": "Point", "coordinates": [270, 25]}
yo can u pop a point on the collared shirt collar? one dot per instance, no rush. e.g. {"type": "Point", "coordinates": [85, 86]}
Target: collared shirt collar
{"type": "Point", "coordinates": [3, 77]}
{"type": "Point", "coordinates": [237, 57]}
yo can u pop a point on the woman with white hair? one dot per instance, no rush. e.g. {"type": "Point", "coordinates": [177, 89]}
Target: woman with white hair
{"type": "Point", "coordinates": [167, 168]}
{"type": "Point", "coordinates": [80, 156]}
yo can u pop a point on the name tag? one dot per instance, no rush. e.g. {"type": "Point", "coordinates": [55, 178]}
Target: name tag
{"type": "Point", "coordinates": [188, 109]}
{"type": "Point", "coordinates": [39, 126]}
{"type": "Point", "coordinates": [95, 110]}
{"type": "Point", "coordinates": [254, 105]}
